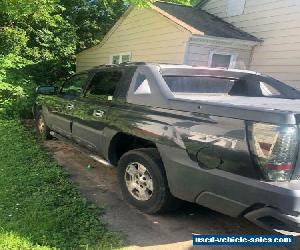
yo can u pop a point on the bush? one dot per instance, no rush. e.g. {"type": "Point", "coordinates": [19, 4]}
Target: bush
{"type": "Point", "coordinates": [16, 87]}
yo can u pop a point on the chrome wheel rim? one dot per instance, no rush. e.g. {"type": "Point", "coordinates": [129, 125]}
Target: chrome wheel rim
{"type": "Point", "coordinates": [41, 125]}
{"type": "Point", "coordinates": [139, 181]}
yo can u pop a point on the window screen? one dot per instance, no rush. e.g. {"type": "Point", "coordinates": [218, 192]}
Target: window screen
{"type": "Point", "coordinates": [199, 84]}
{"type": "Point", "coordinates": [104, 83]}
{"type": "Point", "coordinates": [220, 61]}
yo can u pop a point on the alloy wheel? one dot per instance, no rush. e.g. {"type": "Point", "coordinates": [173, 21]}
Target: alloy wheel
{"type": "Point", "coordinates": [139, 181]}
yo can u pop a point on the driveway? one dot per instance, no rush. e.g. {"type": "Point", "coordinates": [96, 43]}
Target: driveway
{"type": "Point", "coordinates": [98, 183]}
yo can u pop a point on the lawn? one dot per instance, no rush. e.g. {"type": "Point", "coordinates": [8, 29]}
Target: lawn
{"type": "Point", "coordinates": [39, 207]}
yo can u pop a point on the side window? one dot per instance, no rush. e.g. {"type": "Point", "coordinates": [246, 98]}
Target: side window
{"type": "Point", "coordinates": [142, 86]}
{"type": "Point", "coordinates": [73, 86]}
{"type": "Point", "coordinates": [104, 84]}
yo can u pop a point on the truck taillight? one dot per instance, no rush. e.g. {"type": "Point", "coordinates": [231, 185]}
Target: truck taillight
{"type": "Point", "coordinates": [274, 149]}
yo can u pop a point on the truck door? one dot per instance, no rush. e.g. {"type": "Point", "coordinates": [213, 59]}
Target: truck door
{"type": "Point", "coordinates": [60, 108]}
{"type": "Point", "coordinates": [92, 110]}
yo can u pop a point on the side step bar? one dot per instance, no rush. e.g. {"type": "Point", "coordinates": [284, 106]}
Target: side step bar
{"type": "Point", "coordinates": [81, 149]}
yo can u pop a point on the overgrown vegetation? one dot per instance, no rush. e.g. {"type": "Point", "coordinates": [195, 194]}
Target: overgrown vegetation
{"type": "Point", "coordinates": [39, 207]}
{"type": "Point", "coordinates": [39, 40]}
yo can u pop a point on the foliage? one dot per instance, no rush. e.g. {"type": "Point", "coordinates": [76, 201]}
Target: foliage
{"type": "Point", "coordinates": [39, 40]}
{"type": "Point", "coordinates": [37, 44]}
{"type": "Point", "coordinates": [16, 87]}
{"type": "Point", "coordinates": [40, 208]}
{"type": "Point", "coordinates": [91, 19]}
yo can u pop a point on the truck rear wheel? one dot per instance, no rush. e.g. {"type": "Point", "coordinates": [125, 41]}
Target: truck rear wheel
{"type": "Point", "coordinates": [143, 181]}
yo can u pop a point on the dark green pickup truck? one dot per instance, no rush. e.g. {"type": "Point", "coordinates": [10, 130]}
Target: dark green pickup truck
{"type": "Point", "coordinates": [224, 139]}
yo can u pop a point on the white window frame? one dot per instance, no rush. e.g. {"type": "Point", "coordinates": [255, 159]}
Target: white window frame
{"type": "Point", "coordinates": [233, 58]}
{"type": "Point", "coordinates": [120, 57]}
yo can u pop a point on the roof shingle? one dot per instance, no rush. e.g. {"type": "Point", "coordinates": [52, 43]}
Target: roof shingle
{"type": "Point", "coordinates": [204, 22]}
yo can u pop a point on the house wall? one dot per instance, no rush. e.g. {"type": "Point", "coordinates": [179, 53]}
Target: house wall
{"type": "Point", "coordinates": [277, 22]}
{"type": "Point", "coordinates": [149, 36]}
{"type": "Point", "coordinates": [200, 48]}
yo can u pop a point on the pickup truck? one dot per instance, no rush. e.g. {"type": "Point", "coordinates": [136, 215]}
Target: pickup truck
{"type": "Point", "coordinates": [224, 139]}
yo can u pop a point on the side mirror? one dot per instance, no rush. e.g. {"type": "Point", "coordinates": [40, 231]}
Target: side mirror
{"type": "Point", "coordinates": [46, 90]}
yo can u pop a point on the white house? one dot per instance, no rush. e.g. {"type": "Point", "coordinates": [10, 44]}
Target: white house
{"type": "Point", "coordinates": [276, 22]}
{"type": "Point", "coordinates": [246, 34]}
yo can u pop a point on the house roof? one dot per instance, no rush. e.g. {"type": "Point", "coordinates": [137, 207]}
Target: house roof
{"type": "Point", "coordinates": [201, 22]}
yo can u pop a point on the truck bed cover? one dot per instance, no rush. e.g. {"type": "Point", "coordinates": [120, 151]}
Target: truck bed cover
{"type": "Point", "coordinates": [261, 103]}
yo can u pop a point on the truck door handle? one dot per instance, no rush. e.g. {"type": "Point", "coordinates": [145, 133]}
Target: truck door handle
{"type": "Point", "coordinates": [70, 106]}
{"type": "Point", "coordinates": [98, 113]}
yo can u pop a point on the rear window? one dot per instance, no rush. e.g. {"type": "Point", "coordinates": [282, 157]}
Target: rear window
{"type": "Point", "coordinates": [194, 83]}
{"type": "Point", "coordinates": [207, 86]}
{"type": "Point", "coordinates": [199, 85]}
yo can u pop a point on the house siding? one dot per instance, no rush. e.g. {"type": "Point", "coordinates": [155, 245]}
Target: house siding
{"type": "Point", "coordinates": [146, 34]}
{"type": "Point", "coordinates": [198, 51]}
{"type": "Point", "coordinates": [277, 22]}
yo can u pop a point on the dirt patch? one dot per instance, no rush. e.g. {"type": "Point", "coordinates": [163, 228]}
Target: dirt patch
{"type": "Point", "coordinates": [172, 231]}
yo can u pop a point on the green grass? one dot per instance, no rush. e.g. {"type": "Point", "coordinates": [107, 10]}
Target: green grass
{"type": "Point", "coordinates": [39, 207]}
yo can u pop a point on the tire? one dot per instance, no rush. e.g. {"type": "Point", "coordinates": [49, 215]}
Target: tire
{"type": "Point", "coordinates": [42, 129]}
{"type": "Point", "coordinates": [159, 200]}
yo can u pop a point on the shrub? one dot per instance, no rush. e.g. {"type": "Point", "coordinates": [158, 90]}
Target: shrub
{"type": "Point", "coordinates": [16, 87]}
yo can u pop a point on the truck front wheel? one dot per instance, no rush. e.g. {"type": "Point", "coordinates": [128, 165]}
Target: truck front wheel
{"type": "Point", "coordinates": [143, 181]}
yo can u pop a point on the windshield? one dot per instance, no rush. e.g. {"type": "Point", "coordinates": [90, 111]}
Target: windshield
{"type": "Point", "coordinates": [248, 86]}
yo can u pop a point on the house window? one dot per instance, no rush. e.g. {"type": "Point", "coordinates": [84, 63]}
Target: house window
{"type": "Point", "coordinates": [125, 58]}
{"type": "Point", "coordinates": [115, 59]}
{"type": "Point", "coordinates": [235, 7]}
{"type": "Point", "coordinates": [221, 60]}
{"type": "Point", "coordinates": [120, 58]}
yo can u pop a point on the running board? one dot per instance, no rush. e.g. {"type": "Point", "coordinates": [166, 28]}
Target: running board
{"type": "Point", "coordinates": [81, 149]}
